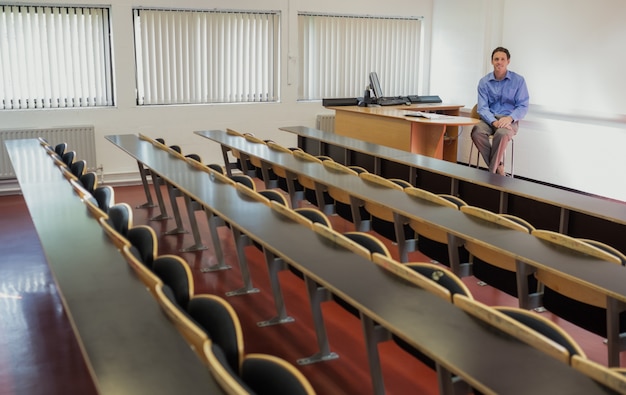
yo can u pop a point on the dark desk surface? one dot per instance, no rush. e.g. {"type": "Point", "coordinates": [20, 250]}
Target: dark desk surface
{"type": "Point", "coordinates": [590, 205]}
{"type": "Point", "coordinates": [465, 346]}
{"type": "Point", "coordinates": [604, 276]}
{"type": "Point", "coordinates": [129, 344]}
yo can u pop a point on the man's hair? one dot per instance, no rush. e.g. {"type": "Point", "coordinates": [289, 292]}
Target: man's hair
{"type": "Point", "coordinates": [501, 49]}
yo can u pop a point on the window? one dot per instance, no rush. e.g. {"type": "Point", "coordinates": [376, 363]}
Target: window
{"type": "Point", "coordinates": [337, 53]}
{"type": "Point", "coordinates": [54, 57]}
{"type": "Point", "coordinates": [188, 56]}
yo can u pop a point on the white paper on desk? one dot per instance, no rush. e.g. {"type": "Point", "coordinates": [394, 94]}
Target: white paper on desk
{"type": "Point", "coordinates": [429, 115]}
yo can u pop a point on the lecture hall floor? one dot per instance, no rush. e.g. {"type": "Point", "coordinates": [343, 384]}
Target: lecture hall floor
{"type": "Point", "coordinates": [39, 353]}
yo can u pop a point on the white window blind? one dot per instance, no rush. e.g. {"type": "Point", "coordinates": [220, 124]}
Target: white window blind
{"type": "Point", "coordinates": [54, 57]}
{"type": "Point", "coordinates": [186, 56]}
{"type": "Point", "coordinates": [337, 53]}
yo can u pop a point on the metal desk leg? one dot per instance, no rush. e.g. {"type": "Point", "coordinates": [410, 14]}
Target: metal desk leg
{"type": "Point", "coordinates": [613, 310]}
{"type": "Point", "coordinates": [179, 222]}
{"type": "Point", "coordinates": [146, 188]}
{"type": "Point", "coordinates": [242, 241]}
{"type": "Point", "coordinates": [374, 334]}
{"type": "Point", "coordinates": [450, 384]}
{"type": "Point", "coordinates": [327, 209]}
{"type": "Point", "coordinates": [275, 265]}
{"type": "Point", "coordinates": [317, 295]}
{"type": "Point", "coordinates": [404, 246]}
{"type": "Point", "coordinates": [191, 212]}
{"type": "Point", "coordinates": [215, 221]}
{"type": "Point", "coordinates": [294, 195]}
{"type": "Point", "coordinates": [228, 165]}
{"type": "Point", "coordinates": [359, 224]}
{"type": "Point", "coordinates": [504, 203]}
{"type": "Point", "coordinates": [265, 172]}
{"type": "Point", "coordinates": [454, 186]}
{"type": "Point", "coordinates": [157, 182]}
{"type": "Point", "coordinates": [564, 221]}
{"type": "Point", "coordinates": [525, 298]}
{"type": "Point", "coordinates": [458, 268]}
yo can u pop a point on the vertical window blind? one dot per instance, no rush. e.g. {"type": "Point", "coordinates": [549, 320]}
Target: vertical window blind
{"type": "Point", "coordinates": [55, 57]}
{"type": "Point", "coordinates": [337, 53]}
{"type": "Point", "coordinates": [188, 56]}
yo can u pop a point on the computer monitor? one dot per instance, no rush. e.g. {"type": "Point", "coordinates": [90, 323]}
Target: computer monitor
{"type": "Point", "coordinates": [375, 85]}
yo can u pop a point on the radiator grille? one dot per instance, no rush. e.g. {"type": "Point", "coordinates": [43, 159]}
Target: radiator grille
{"type": "Point", "coordinates": [78, 138]}
{"type": "Point", "coordinates": [325, 122]}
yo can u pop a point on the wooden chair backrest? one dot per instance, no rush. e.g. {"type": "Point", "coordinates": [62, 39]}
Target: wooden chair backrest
{"type": "Point", "coordinates": [608, 377]}
{"type": "Point", "coordinates": [474, 113]}
{"type": "Point", "coordinates": [95, 211]}
{"type": "Point", "coordinates": [224, 378]}
{"type": "Point", "coordinates": [396, 268]}
{"type": "Point", "coordinates": [306, 157]}
{"type": "Point", "coordinates": [423, 228]}
{"type": "Point", "coordinates": [488, 254]}
{"type": "Point", "coordinates": [217, 176]}
{"type": "Point", "coordinates": [233, 132]}
{"type": "Point", "coordinates": [429, 196]}
{"type": "Point", "coordinates": [519, 220]}
{"type": "Point", "coordinates": [376, 209]}
{"type": "Point", "coordinates": [306, 182]}
{"type": "Point", "coordinates": [339, 194]}
{"type": "Point", "coordinates": [233, 151]}
{"type": "Point", "coordinates": [251, 194]}
{"type": "Point", "coordinates": [340, 240]}
{"type": "Point", "coordinates": [222, 324]}
{"type": "Point", "coordinates": [290, 214]}
{"type": "Point", "coordinates": [537, 317]}
{"type": "Point", "coordinates": [300, 383]}
{"type": "Point", "coordinates": [255, 160]}
{"type": "Point", "coordinates": [279, 170]}
{"type": "Point", "coordinates": [569, 287]}
{"type": "Point", "coordinates": [193, 334]}
{"type": "Point", "coordinates": [372, 241]}
{"type": "Point", "coordinates": [277, 147]}
{"type": "Point", "coordinates": [145, 275]}
{"type": "Point", "coordinates": [607, 248]}
{"type": "Point", "coordinates": [116, 238]}
{"type": "Point", "coordinates": [314, 215]}
{"type": "Point", "coordinates": [511, 327]}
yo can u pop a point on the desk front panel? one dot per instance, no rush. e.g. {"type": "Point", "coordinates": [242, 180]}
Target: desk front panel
{"type": "Point", "coordinates": [390, 132]}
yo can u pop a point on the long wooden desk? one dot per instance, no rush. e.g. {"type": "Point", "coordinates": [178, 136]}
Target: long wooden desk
{"type": "Point", "coordinates": [544, 206]}
{"type": "Point", "coordinates": [489, 361]}
{"type": "Point", "coordinates": [129, 345]}
{"type": "Point", "coordinates": [389, 126]}
{"type": "Point", "coordinates": [529, 251]}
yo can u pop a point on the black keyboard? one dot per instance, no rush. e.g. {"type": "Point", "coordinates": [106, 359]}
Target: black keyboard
{"type": "Point", "coordinates": [392, 101]}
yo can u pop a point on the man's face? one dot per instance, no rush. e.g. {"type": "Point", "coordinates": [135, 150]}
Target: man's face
{"type": "Point", "coordinates": [500, 62]}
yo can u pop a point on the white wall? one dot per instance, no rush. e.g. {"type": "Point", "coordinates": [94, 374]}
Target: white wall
{"type": "Point", "coordinates": [570, 52]}
{"type": "Point", "coordinates": [176, 123]}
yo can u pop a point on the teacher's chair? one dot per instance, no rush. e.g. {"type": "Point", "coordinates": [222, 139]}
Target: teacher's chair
{"type": "Point", "coordinates": [474, 114]}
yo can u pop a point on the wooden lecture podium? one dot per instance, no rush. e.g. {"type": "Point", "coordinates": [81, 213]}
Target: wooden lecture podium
{"type": "Point", "coordinates": [391, 127]}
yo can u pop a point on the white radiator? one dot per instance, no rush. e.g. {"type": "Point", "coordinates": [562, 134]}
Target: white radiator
{"type": "Point", "coordinates": [325, 122]}
{"type": "Point", "coordinates": [80, 139]}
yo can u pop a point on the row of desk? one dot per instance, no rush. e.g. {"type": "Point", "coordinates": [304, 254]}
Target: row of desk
{"type": "Point", "coordinates": [544, 206]}
{"type": "Point", "coordinates": [527, 250]}
{"type": "Point", "coordinates": [129, 345]}
{"type": "Point", "coordinates": [460, 344]}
